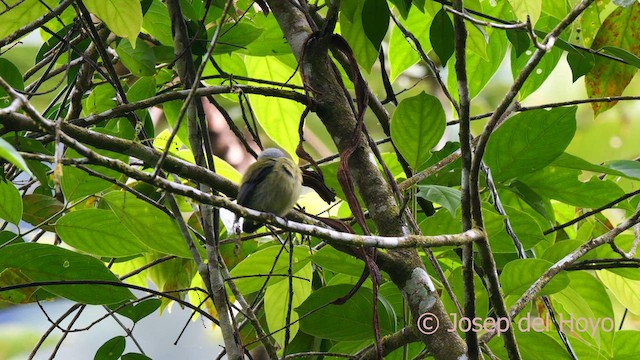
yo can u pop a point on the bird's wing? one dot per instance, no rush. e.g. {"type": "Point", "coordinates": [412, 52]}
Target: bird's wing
{"type": "Point", "coordinates": [248, 185]}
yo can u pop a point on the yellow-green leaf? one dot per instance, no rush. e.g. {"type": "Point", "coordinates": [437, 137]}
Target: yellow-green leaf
{"type": "Point", "coordinates": [22, 14]}
{"type": "Point", "coordinates": [524, 8]}
{"type": "Point", "coordinates": [278, 117]}
{"type": "Point", "coordinates": [123, 17]}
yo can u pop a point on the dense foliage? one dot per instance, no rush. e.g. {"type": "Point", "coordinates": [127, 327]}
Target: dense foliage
{"type": "Point", "coordinates": [119, 149]}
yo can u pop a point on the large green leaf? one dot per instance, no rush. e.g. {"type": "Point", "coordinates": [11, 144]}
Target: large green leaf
{"type": "Point", "coordinates": [595, 294]}
{"type": "Point", "coordinates": [278, 117]}
{"type": "Point", "coordinates": [271, 41]}
{"type": "Point", "coordinates": [625, 345]}
{"type": "Point", "coordinates": [141, 60]}
{"type": "Point", "coordinates": [249, 271]}
{"type": "Point", "coordinates": [123, 17]}
{"type": "Point", "coordinates": [11, 74]}
{"type": "Point", "coordinates": [40, 262]}
{"type": "Point", "coordinates": [347, 322]}
{"type": "Point", "coordinates": [483, 67]}
{"type": "Point", "coordinates": [563, 185]}
{"type": "Point", "coordinates": [156, 22]}
{"type": "Point", "coordinates": [569, 161]}
{"type": "Point", "coordinates": [375, 20]}
{"type": "Point", "coordinates": [527, 9]}
{"type": "Point", "coordinates": [401, 53]}
{"type": "Point", "coordinates": [442, 34]}
{"type": "Point", "coordinates": [417, 125]}
{"type": "Point", "coordinates": [524, 225]}
{"type": "Point", "coordinates": [531, 343]}
{"type": "Point", "coordinates": [76, 183]}
{"type": "Point", "coordinates": [337, 261]}
{"type": "Point", "coordinates": [111, 349]}
{"type": "Point", "coordinates": [276, 302]}
{"type": "Point", "coordinates": [628, 168]}
{"type": "Point", "coordinates": [541, 72]}
{"type": "Point", "coordinates": [448, 197]}
{"type": "Point", "coordinates": [98, 232]}
{"type": "Point", "coordinates": [621, 29]}
{"type": "Point", "coordinates": [11, 203]}
{"type": "Point", "coordinates": [351, 28]}
{"type": "Point", "coordinates": [150, 225]}
{"type": "Point", "coordinates": [518, 275]}
{"type": "Point", "coordinates": [627, 291]}
{"type": "Point", "coordinates": [236, 36]}
{"type": "Point", "coordinates": [22, 14]}
{"type": "Point", "coordinates": [39, 208]}
{"type": "Point", "coordinates": [529, 141]}
{"type": "Point", "coordinates": [9, 153]}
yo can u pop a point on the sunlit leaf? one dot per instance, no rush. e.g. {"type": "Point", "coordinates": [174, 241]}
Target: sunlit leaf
{"type": "Point", "coordinates": [123, 17]}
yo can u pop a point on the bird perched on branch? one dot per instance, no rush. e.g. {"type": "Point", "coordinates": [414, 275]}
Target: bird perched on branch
{"type": "Point", "coordinates": [271, 184]}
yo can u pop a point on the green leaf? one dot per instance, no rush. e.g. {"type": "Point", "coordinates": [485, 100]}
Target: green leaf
{"type": "Point", "coordinates": [98, 232]}
{"type": "Point", "coordinates": [621, 29]}
{"type": "Point", "coordinates": [21, 15]}
{"type": "Point", "coordinates": [150, 225]}
{"type": "Point", "coordinates": [416, 126]}
{"type": "Point", "coordinates": [134, 356]}
{"type": "Point", "coordinates": [375, 21]}
{"type": "Point", "coordinates": [625, 345]}
{"type": "Point", "coordinates": [278, 117]}
{"type": "Point", "coordinates": [76, 183]}
{"type": "Point", "coordinates": [347, 322]}
{"type": "Point", "coordinates": [123, 17]}
{"type": "Point", "coordinates": [532, 344]}
{"type": "Point", "coordinates": [448, 197]}
{"type": "Point", "coordinates": [337, 261]}
{"type": "Point", "coordinates": [580, 62]}
{"type": "Point", "coordinates": [560, 249]}
{"type": "Point", "coordinates": [520, 41]}
{"type": "Point", "coordinates": [271, 41]}
{"type": "Point", "coordinates": [11, 74]}
{"type": "Point", "coordinates": [627, 291]}
{"type": "Point", "coordinates": [622, 54]}
{"type": "Point", "coordinates": [101, 98]}
{"type": "Point", "coordinates": [236, 36]}
{"type": "Point", "coordinates": [529, 141]}
{"type": "Point", "coordinates": [627, 168]}
{"type": "Point", "coordinates": [518, 275]}
{"type": "Point", "coordinates": [542, 70]}
{"type": "Point", "coordinates": [11, 204]}
{"type": "Point", "coordinates": [143, 89]}
{"type": "Point", "coordinates": [112, 349]}
{"type": "Point", "coordinates": [276, 302]}
{"type": "Point", "coordinates": [524, 9]}
{"type": "Point", "coordinates": [569, 161]}
{"type": "Point", "coordinates": [156, 23]}
{"type": "Point", "coordinates": [563, 185]}
{"type": "Point", "coordinates": [403, 7]}
{"type": "Point", "coordinates": [10, 154]}
{"type": "Point", "coordinates": [533, 199]}
{"type": "Point", "coordinates": [595, 294]}
{"type": "Point", "coordinates": [138, 311]}
{"type": "Point", "coordinates": [483, 67]}
{"type": "Point", "coordinates": [352, 29]}
{"type": "Point", "coordinates": [401, 52]}
{"type": "Point", "coordinates": [40, 262]}
{"type": "Point", "coordinates": [524, 225]}
{"type": "Point", "coordinates": [442, 34]}
{"type": "Point", "coordinates": [141, 61]}
{"type": "Point", "coordinates": [262, 262]}
{"type": "Point", "coordinates": [38, 208]}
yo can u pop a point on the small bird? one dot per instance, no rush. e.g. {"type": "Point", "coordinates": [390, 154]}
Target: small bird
{"type": "Point", "coordinates": [271, 184]}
